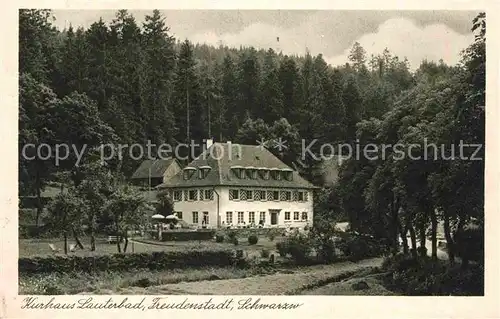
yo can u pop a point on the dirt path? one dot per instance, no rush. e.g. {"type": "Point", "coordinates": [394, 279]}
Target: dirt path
{"type": "Point", "coordinates": [277, 284]}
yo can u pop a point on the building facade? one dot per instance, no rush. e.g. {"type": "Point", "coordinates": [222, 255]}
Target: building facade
{"type": "Point", "coordinates": [240, 185]}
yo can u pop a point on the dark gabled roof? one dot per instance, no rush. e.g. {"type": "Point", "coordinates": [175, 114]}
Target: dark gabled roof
{"type": "Point", "coordinates": [222, 156]}
{"type": "Point", "coordinates": [158, 168]}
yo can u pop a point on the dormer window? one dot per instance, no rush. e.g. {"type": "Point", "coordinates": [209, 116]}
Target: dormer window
{"type": "Point", "coordinates": [188, 172]}
{"type": "Point", "coordinates": [287, 174]}
{"type": "Point", "coordinates": [276, 174]}
{"type": "Point", "coordinates": [251, 172]}
{"type": "Point", "coordinates": [264, 173]}
{"type": "Point", "coordinates": [203, 171]}
{"type": "Point", "coordinates": [237, 171]}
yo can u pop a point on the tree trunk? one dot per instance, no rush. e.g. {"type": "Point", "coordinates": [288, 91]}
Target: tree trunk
{"type": "Point", "coordinates": [77, 240]}
{"type": "Point", "coordinates": [118, 246]}
{"type": "Point", "coordinates": [413, 238]}
{"type": "Point", "coordinates": [92, 233]}
{"type": "Point", "coordinates": [422, 248]}
{"type": "Point", "coordinates": [395, 223]}
{"type": "Point", "coordinates": [126, 243]}
{"type": "Point", "coordinates": [434, 234]}
{"type": "Point", "coordinates": [39, 203]}
{"type": "Point", "coordinates": [402, 232]}
{"type": "Point", "coordinates": [65, 242]}
{"type": "Point", "coordinates": [450, 245]}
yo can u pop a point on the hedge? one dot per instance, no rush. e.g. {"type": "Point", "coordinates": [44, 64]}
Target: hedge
{"type": "Point", "coordinates": [126, 262]}
{"type": "Point", "coordinates": [182, 235]}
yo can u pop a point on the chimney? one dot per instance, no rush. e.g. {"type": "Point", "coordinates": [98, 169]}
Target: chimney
{"type": "Point", "coordinates": [209, 142]}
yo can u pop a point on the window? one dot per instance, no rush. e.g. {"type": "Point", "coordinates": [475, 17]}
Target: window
{"type": "Point", "coordinates": [306, 195]}
{"type": "Point", "coordinates": [236, 172]}
{"type": "Point", "coordinates": [195, 217]}
{"type": "Point", "coordinates": [263, 217]}
{"type": "Point", "coordinates": [288, 175]}
{"type": "Point", "coordinates": [248, 173]}
{"type": "Point", "coordinates": [203, 172]}
{"type": "Point", "coordinates": [242, 173]}
{"type": "Point", "coordinates": [177, 196]}
{"type": "Point", "coordinates": [301, 196]}
{"type": "Point", "coordinates": [205, 218]}
{"type": "Point", "coordinates": [304, 215]}
{"type": "Point", "coordinates": [295, 196]}
{"type": "Point", "coordinates": [253, 174]}
{"type": "Point", "coordinates": [193, 194]}
{"type": "Point", "coordinates": [295, 215]}
{"type": "Point", "coordinates": [288, 195]}
{"type": "Point", "coordinates": [229, 218]}
{"type": "Point", "coordinates": [188, 172]}
{"type": "Point", "coordinates": [233, 194]}
{"type": "Point", "coordinates": [201, 194]}
{"type": "Point", "coordinates": [251, 217]}
{"type": "Point", "coordinates": [249, 195]}
{"type": "Point", "coordinates": [275, 174]}
{"type": "Point", "coordinates": [287, 215]}
{"type": "Point", "coordinates": [209, 194]}
{"type": "Point", "coordinates": [241, 217]}
{"type": "Point", "coordinates": [178, 214]}
{"type": "Point", "coordinates": [264, 174]}
{"type": "Point", "coordinates": [185, 195]}
{"type": "Point", "coordinates": [273, 195]}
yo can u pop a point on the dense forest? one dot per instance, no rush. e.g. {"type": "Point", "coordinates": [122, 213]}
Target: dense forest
{"type": "Point", "coordinates": [125, 83]}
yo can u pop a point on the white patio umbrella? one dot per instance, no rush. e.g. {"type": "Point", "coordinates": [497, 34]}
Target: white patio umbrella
{"type": "Point", "coordinates": [158, 216]}
{"type": "Point", "coordinates": [172, 217]}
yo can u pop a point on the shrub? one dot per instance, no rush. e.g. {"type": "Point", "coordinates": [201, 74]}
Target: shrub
{"type": "Point", "coordinates": [299, 247]}
{"type": "Point", "coordinates": [253, 239]}
{"type": "Point", "coordinates": [235, 241]}
{"type": "Point", "coordinates": [357, 247]}
{"type": "Point", "coordinates": [219, 238]}
{"type": "Point", "coordinates": [264, 253]}
{"type": "Point", "coordinates": [282, 248]}
{"type": "Point", "coordinates": [424, 277]}
{"type": "Point", "coordinates": [183, 235]}
{"type": "Point", "coordinates": [125, 262]}
{"type": "Point", "coordinates": [231, 236]}
{"type": "Point", "coordinates": [271, 236]}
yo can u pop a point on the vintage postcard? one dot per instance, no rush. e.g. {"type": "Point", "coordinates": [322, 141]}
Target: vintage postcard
{"type": "Point", "coordinates": [275, 162]}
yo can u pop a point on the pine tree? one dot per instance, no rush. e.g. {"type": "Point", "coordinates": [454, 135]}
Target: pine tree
{"type": "Point", "coordinates": [271, 95]}
{"type": "Point", "coordinates": [159, 67]}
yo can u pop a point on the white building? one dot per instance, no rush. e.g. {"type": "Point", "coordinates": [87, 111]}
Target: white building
{"type": "Point", "coordinates": [233, 184]}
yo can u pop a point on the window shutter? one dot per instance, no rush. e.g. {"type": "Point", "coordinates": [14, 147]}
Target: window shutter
{"type": "Point", "coordinates": [282, 195]}
{"type": "Point", "coordinates": [256, 195]}
{"type": "Point", "coordinates": [243, 194]}
{"type": "Point", "coordinates": [269, 195]}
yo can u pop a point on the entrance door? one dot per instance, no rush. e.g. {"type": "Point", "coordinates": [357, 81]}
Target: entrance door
{"type": "Point", "coordinates": [274, 217]}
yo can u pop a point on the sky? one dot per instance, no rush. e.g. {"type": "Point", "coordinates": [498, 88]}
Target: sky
{"type": "Point", "coordinates": [416, 35]}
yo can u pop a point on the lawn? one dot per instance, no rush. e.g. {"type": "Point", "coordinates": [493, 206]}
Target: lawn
{"type": "Point", "coordinates": [40, 247]}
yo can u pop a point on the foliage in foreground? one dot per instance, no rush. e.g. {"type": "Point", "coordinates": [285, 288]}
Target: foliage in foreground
{"type": "Point", "coordinates": [126, 262]}
{"type": "Point", "coordinates": [113, 281]}
{"type": "Point", "coordinates": [426, 277]}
